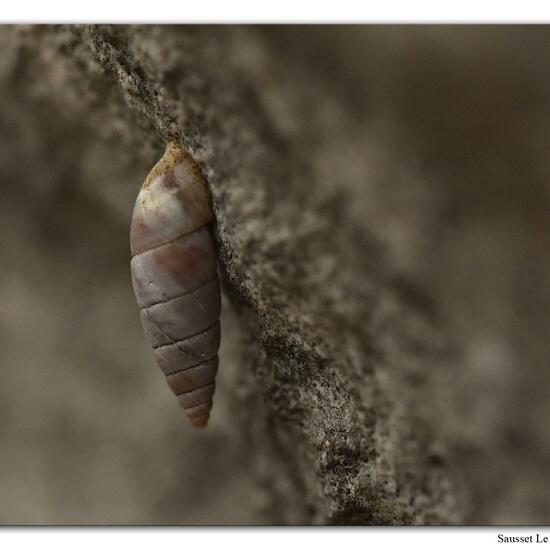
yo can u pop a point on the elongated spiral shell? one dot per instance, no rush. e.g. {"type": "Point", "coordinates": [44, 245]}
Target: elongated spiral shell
{"type": "Point", "coordinates": [174, 274]}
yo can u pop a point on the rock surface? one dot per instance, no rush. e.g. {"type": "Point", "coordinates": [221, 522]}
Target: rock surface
{"type": "Point", "coordinates": [381, 200]}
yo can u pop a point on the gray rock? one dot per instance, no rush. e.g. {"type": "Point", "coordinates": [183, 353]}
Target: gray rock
{"type": "Point", "coordinates": [384, 355]}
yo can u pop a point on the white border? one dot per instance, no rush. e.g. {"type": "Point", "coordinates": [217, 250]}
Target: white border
{"type": "Point", "coordinates": [279, 11]}
{"type": "Point", "coordinates": [268, 538]}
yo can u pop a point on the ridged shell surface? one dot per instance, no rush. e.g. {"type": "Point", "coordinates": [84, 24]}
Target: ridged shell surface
{"type": "Point", "coordinates": [174, 275]}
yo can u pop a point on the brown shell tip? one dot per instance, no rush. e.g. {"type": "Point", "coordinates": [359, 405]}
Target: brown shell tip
{"type": "Point", "coordinates": [172, 146]}
{"type": "Point", "coordinates": [174, 153]}
{"type": "Point", "coordinates": [200, 421]}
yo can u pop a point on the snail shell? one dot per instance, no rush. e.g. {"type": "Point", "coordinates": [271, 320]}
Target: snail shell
{"type": "Point", "coordinates": [174, 275]}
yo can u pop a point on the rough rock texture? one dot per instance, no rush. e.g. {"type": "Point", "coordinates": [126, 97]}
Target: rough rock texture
{"type": "Point", "coordinates": [381, 199]}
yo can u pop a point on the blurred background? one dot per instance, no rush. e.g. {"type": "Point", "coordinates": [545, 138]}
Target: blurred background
{"type": "Point", "coordinates": [440, 135]}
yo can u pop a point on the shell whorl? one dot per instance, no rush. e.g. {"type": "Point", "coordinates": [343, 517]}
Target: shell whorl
{"type": "Point", "coordinates": [174, 275]}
